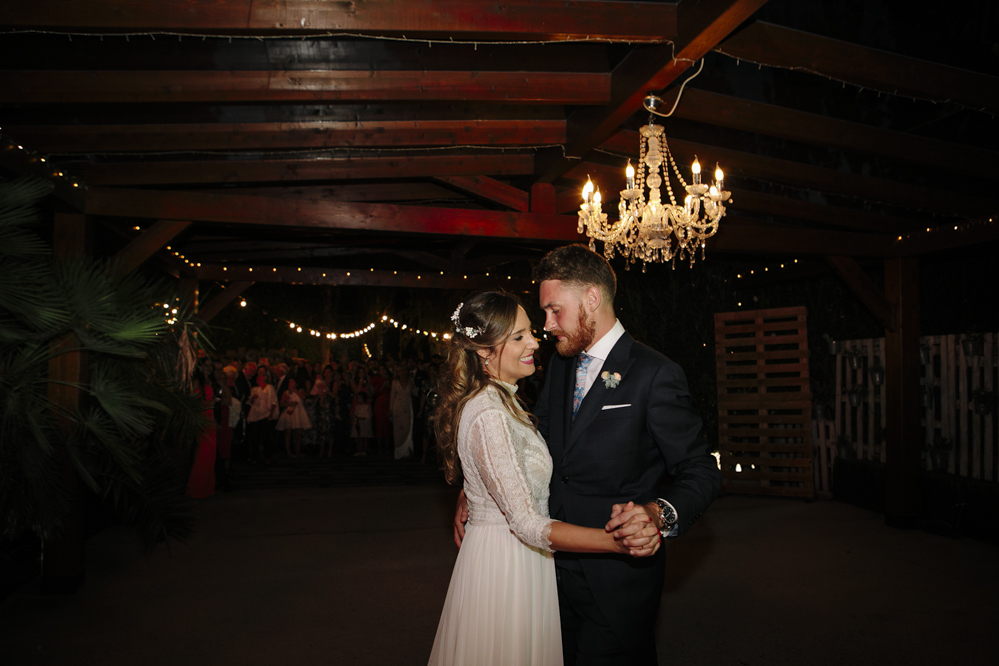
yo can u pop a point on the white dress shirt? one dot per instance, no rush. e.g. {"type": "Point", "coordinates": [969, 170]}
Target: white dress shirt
{"type": "Point", "coordinates": [600, 350]}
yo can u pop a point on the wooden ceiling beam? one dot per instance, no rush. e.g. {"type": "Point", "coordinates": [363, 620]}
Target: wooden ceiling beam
{"type": "Point", "coordinates": [250, 171]}
{"type": "Point", "coordinates": [288, 135]}
{"type": "Point", "coordinates": [361, 278]}
{"type": "Point", "coordinates": [490, 189]}
{"type": "Point", "coordinates": [808, 176]}
{"type": "Point", "coordinates": [230, 292]}
{"type": "Point", "coordinates": [148, 243]}
{"type": "Point", "coordinates": [616, 21]}
{"type": "Point", "coordinates": [701, 26]}
{"type": "Point", "coordinates": [742, 236]}
{"type": "Point", "coordinates": [810, 128]}
{"type": "Point", "coordinates": [865, 289]}
{"type": "Point", "coordinates": [375, 192]}
{"type": "Point", "coordinates": [220, 87]}
{"type": "Point", "coordinates": [982, 230]}
{"type": "Point", "coordinates": [245, 210]}
{"type": "Point", "coordinates": [736, 235]}
{"type": "Point", "coordinates": [777, 46]}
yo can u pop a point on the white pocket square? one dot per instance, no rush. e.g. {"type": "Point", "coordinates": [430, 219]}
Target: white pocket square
{"type": "Point", "coordinates": [606, 407]}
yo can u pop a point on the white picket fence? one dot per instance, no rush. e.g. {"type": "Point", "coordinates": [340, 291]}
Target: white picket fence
{"type": "Point", "coordinates": [957, 439]}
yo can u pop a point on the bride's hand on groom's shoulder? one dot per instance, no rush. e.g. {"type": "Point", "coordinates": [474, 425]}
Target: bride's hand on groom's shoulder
{"type": "Point", "coordinates": [635, 529]}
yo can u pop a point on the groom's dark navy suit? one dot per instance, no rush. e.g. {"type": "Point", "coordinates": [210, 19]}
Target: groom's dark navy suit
{"type": "Point", "coordinates": [611, 456]}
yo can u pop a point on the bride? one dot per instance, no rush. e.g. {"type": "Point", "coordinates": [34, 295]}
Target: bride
{"type": "Point", "coordinates": [502, 603]}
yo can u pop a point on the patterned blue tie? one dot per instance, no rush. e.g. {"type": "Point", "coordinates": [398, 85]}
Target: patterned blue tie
{"type": "Point", "coordinates": [577, 394]}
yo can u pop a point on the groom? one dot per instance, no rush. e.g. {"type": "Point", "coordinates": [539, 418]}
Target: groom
{"type": "Point", "coordinates": [616, 415]}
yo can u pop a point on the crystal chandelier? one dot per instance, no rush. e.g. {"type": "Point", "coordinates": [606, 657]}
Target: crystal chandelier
{"type": "Point", "coordinates": [649, 230]}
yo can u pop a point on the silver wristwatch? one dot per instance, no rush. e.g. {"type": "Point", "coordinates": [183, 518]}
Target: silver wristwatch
{"type": "Point", "coordinates": [667, 516]}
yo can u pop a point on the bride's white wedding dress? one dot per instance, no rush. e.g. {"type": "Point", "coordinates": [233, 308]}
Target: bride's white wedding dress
{"type": "Point", "coordinates": [502, 604]}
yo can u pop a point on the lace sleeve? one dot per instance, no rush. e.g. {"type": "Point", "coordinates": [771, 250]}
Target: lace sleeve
{"type": "Point", "coordinates": [492, 447]}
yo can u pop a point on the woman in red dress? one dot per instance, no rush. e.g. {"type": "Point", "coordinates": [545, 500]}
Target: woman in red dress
{"type": "Point", "coordinates": [201, 482]}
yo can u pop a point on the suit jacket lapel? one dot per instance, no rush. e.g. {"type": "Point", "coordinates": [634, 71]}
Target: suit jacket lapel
{"type": "Point", "coordinates": [618, 361]}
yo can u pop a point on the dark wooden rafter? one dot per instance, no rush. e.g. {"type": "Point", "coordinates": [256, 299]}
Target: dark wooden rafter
{"type": "Point", "coordinates": [742, 236]}
{"type": "Point", "coordinates": [701, 25]}
{"type": "Point", "coordinates": [490, 189]}
{"type": "Point", "coordinates": [542, 198]}
{"type": "Point", "coordinates": [936, 239]}
{"type": "Point", "coordinates": [770, 44]}
{"type": "Point", "coordinates": [424, 18]}
{"type": "Point", "coordinates": [146, 244]}
{"type": "Point", "coordinates": [312, 87]}
{"type": "Point", "coordinates": [246, 210]}
{"type": "Point", "coordinates": [807, 176]}
{"type": "Point", "coordinates": [319, 134]}
{"type": "Point", "coordinates": [359, 277]}
{"type": "Point", "coordinates": [403, 165]}
{"type": "Point", "coordinates": [375, 191]}
{"type": "Point", "coordinates": [230, 292]}
{"type": "Point", "coordinates": [872, 296]}
{"type": "Point", "coordinates": [810, 128]}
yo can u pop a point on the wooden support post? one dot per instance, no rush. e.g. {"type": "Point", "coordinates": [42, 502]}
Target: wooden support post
{"type": "Point", "coordinates": [148, 243]}
{"type": "Point", "coordinates": [902, 397]}
{"type": "Point", "coordinates": [64, 558]}
{"type": "Point", "coordinates": [543, 198]}
{"type": "Point", "coordinates": [228, 295]}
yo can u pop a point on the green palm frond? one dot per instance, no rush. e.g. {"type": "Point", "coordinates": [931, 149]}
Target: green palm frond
{"type": "Point", "coordinates": [133, 414]}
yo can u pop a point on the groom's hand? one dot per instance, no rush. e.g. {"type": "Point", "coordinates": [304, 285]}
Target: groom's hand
{"type": "Point", "coordinates": [622, 513]}
{"type": "Point", "coordinates": [634, 526]}
{"type": "Point", "coordinates": [460, 518]}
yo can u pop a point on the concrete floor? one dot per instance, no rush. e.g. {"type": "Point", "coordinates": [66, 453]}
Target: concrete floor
{"type": "Point", "coordinates": [358, 576]}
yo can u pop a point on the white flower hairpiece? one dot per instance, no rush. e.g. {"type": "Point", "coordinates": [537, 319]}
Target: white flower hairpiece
{"type": "Point", "coordinates": [467, 330]}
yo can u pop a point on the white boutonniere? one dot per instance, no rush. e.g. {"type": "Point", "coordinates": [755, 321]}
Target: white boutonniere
{"type": "Point", "coordinates": [611, 380]}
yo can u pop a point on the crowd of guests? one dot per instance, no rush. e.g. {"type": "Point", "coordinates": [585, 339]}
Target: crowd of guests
{"type": "Point", "coordinates": [381, 407]}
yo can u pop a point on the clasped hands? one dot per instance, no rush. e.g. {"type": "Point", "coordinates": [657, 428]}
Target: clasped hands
{"type": "Point", "coordinates": [633, 525]}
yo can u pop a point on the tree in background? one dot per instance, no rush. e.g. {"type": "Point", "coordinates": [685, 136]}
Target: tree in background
{"type": "Point", "coordinates": [132, 437]}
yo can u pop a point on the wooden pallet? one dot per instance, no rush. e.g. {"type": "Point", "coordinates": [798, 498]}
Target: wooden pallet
{"type": "Point", "coordinates": [764, 402]}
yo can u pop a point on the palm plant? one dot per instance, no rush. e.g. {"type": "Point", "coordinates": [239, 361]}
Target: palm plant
{"type": "Point", "coordinates": [131, 437]}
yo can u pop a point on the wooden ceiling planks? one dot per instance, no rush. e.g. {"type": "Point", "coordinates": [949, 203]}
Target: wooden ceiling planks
{"type": "Point", "coordinates": [242, 103]}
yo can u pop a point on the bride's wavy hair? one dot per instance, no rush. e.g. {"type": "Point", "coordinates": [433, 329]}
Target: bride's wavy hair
{"type": "Point", "coordinates": [491, 315]}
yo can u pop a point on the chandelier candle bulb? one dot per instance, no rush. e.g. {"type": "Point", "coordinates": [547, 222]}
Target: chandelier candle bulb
{"type": "Point", "coordinates": [695, 169]}
{"type": "Point", "coordinates": [719, 177]}
{"type": "Point", "coordinates": [630, 174]}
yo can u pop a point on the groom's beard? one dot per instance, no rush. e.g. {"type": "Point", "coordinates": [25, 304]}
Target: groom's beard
{"type": "Point", "coordinates": [577, 340]}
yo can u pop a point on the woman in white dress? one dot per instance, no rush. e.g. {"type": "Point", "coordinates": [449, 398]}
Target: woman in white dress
{"type": "Point", "coordinates": [293, 418]}
{"type": "Point", "coordinates": [502, 603]}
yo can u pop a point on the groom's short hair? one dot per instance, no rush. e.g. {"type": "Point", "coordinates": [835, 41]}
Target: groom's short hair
{"type": "Point", "coordinates": [577, 265]}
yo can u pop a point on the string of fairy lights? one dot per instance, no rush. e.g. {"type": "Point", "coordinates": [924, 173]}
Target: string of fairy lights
{"type": "Point", "coordinates": [320, 332]}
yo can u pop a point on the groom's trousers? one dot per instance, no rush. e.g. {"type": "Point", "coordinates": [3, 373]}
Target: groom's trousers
{"type": "Point", "coordinates": [587, 638]}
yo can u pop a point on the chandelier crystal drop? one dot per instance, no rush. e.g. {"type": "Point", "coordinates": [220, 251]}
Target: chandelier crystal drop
{"type": "Point", "coordinates": [650, 230]}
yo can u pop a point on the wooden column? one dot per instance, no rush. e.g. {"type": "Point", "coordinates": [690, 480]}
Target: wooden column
{"type": "Point", "coordinates": [902, 399]}
{"type": "Point", "coordinates": [64, 558]}
{"type": "Point", "coordinates": [543, 198]}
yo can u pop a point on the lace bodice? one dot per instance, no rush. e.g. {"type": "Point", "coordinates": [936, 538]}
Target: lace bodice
{"type": "Point", "coordinates": [507, 469]}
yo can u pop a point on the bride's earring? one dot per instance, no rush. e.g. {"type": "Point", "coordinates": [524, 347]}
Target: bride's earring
{"type": "Point", "coordinates": [487, 361]}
